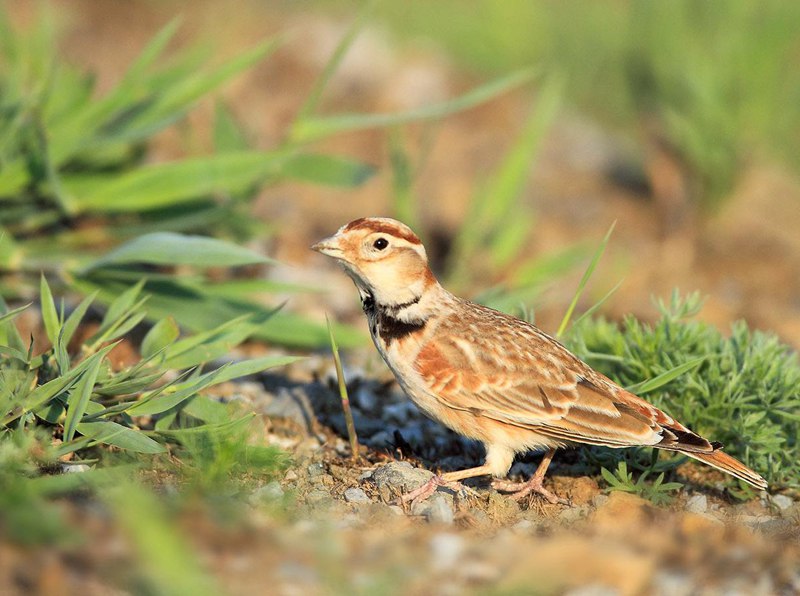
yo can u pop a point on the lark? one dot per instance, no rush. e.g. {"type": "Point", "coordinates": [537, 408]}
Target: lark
{"type": "Point", "coordinates": [492, 377]}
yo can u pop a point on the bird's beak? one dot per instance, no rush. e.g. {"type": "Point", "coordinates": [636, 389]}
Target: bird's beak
{"type": "Point", "coordinates": [329, 246]}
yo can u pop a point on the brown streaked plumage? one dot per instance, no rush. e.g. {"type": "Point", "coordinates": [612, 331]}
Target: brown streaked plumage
{"type": "Point", "coordinates": [490, 376]}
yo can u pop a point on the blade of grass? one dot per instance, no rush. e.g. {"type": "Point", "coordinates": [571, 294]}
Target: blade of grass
{"type": "Point", "coordinates": [79, 399]}
{"type": "Point", "coordinates": [584, 280]}
{"type": "Point", "coordinates": [665, 377]}
{"type": "Point", "coordinates": [166, 248]}
{"type": "Point", "coordinates": [52, 323]}
{"type": "Point", "coordinates": [328, 170]}
{"type": "Point", "coordinates": [593, 308]}
{"type": "Point", "coordinates": [166, 184]}
{"type": "Point", "coordinates": [348, 414]}
{"type": "Point", "coordinates": [160, 335]}
{"type": "Point", "coordinates": [315, 128]}
{"type": "Point", "coordinates": [13, 313]}
{"type": "Point", "coordinates": [312, 100]}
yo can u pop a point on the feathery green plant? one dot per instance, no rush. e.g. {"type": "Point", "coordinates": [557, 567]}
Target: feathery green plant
{"type": "Point", "coordinates": [659, 492]}
{"type": "Point", "coordinates": [742, 390]}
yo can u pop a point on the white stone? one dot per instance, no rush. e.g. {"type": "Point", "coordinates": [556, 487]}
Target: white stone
{"type": "Point", "coordinates": [697, 504]}
{"type": "Point", "coordinates": [355, 495]}
{"type": "Point", "coordinates": [782, 502]}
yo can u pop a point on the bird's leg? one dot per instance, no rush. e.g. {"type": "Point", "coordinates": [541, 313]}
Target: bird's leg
{"type": "Point", "coordinates": [449, 480]}
{"type": "Point", "coordinates": [533, 485]}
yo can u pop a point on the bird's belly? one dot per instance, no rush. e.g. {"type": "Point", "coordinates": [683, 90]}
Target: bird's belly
{"type": "Point", "coordinates": [400, 357]}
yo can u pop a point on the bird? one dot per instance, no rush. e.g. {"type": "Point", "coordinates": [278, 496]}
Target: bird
{"type": "Point", "coordinates": [490, 376]}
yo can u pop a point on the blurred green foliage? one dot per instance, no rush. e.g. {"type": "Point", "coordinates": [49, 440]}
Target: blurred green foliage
{"type": "Point", "coordinates": [75, 180]}
{"type": "Point", "coordinates": [495, 232]}
{"type": "Point", "coordinates": [717, 82]}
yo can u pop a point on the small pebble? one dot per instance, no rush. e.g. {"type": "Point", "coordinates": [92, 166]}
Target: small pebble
{"type": "Point", "coordinates": [319, 498]}
{"type": "Point", "coordinates": [400, 475]}
{"type": "Point", "coordinates": [436, 509]}
{"type": "Point", "coordinates": [571, 514]}
{"type": "Point", "coordinates": [290, 476]}
{"type": "Point", "coordinates": [697, 504]}
{"type": "Point", "coordinates": [782, 502]}
{"type": "Point", "coordinates": [600, 500]}
{"type": "Point", "coordinates": [74, 468]}
{"type": "Point", "coordinates": [355, 495]}
{"type": "Point", "coordinates": [315, 469]}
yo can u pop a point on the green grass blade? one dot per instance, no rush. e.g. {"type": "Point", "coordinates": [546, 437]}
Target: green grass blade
{"type": "Point", "coordinates": [151, 52]}
{"type": "Point", "coordinates": [111, 433]}
{"type": "Point", "coordinates": [206, 409]}
{"type": "Point", "coordinates": [312, 100]}
{"type": "Point", "coordinates": [315, 128]}
{"type": "Point", "coordinates": [584, 280]}
{"type": "Point", "coordinates": [166, 248]}
{"type": "Point", "coordinates": [348, 414]}
{"type": "Point", "coordinates": [10, 315]}
{"type": "Point", "coordinates": [176, 99]}
{"type": "Point", "coordinates": [161, 401]}
{"type": "Point", "coordinates": [594, 307]}
{"type": "Point", "coordinates": [121, 306]}
{"type": "Point", "coordinates": [505, 186]}
{"type": "Point", "coordinates": [9, 334]}
{"type": "Point", "coordinates": [403, 201]}
{"type": "Point", "coordinates": [44, 393]}
{"type": "Point", "coordinates": [168, 184]}
{"type": "Point", "coordinates": [665, 377]}
{"type": "Point", "coordinates": [228, 134]}
{"type": "Point", "coordinates": [160, 335]}
{"type": "Point", "coordinates": [79, 399]}
{"type": "Point", "coordinates": [52, 322]}
{"type": "Point", "coordinates": [328, 170]}
{"type": "Point", "coordinates": [253, 366]}
{"type": "Point", "coordinates": [74, 319]}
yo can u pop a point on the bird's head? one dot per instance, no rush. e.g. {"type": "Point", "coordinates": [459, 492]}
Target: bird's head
{"type": "Point", "coordinates": [383, 257]}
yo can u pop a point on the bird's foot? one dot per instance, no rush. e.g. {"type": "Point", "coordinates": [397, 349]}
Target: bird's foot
{"type": "Point", "coordinates": [519, 490]}
{"type": "Point", "coordinates": [421, 493]}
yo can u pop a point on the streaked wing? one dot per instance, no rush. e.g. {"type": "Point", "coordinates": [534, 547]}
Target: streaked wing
{"type": "Point", "coordinates": [496, 366]}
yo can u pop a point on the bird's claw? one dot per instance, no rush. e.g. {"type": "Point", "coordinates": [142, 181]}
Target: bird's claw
{"type": "Point", "coordinates": [421, 493]}
{"type": "Point", "coordinates": [520, 490]}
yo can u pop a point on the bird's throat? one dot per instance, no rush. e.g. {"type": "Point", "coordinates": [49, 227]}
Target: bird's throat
{"type": "Point", "coordinates": [391, 322]}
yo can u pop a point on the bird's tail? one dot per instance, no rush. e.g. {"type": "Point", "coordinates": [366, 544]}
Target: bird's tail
{"type": "Point", "coordinates": [726, 463]}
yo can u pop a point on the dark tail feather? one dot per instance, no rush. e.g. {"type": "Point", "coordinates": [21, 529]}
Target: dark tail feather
{"type": "Point", "coordinates": [726, 463]}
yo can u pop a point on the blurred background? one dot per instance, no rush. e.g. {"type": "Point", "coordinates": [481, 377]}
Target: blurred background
{"type": "Point", "coordinates": [512, 136]}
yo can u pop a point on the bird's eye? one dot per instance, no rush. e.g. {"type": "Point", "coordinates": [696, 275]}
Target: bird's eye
{"type": "Point", "coordinates": [380, 243]}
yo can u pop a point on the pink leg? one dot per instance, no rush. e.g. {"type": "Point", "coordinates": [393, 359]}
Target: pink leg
{"type": "Point", "coordinates": [449, 480]}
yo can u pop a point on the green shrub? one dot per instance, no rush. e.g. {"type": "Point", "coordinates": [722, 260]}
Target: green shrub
{"type": "Point", "coordinates": [742, 390]}
{"type": "Point", "coordinates": [78, 395]}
